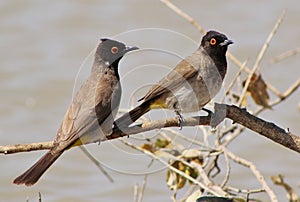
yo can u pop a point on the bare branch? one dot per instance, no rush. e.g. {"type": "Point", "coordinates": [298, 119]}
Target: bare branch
{"type": "Point", "coordinates": [260, 57]}
{"type": "Point", "coordinates": [291, 193]}
{"type": "Point", "coordinates": [264, 128]}
{"type": "Point", "coordinates": [254, 170]}
{"type": "Point", "coordinates": [228, 169]}
{"type": "Point", "coordinates": [234, 80]}
{"type": "Point", "coordinates": [153, 156]}
{"type": "Point", "coordinates": [253, 191]}
{"type": "Point", "coordinates": [96, 162]}
{"type": "Point", "coordinates": [10, 149]}
{"type": "Point", "coordinates": [172, 122]}
{"type": "Point", "coordinates": [285, 55]}
{"type": "Point", "coordinates": [183, 15]}
{"type": "Point", "coordinates": [236, 114]}
{"type": "Point", "coordinates": [139, 191]}
{"type": "Point", "coordinates": [282, 96]}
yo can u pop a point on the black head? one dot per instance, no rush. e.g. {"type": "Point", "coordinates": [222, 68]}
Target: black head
{"type": "Point", "coordinates": [111, 51]}
{"type": "Point", "coordinates": [215, 43]}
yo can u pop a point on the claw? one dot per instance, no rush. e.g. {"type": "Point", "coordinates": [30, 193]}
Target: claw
{"type": "Point", "coordinates": [207, 110]}
{"type": "Point", "coordinates": [180, 119]}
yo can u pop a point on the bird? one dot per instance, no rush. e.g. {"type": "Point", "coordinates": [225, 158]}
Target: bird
{"type": "Point", "coordinates": [90, 115]}
{"type": "Point", "coordinates": [189, 86]}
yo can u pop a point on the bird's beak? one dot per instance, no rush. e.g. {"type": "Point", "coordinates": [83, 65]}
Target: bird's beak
{"type": "Point", "coordinates": [226, 42]}
{"type": "Point", "coordinates": [130, 48]}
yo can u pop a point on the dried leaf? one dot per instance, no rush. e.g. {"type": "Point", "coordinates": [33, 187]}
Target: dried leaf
{"type": "Point", "coordinates": [149, 147]}
{"type": "Point", "coordinates": [237, 97]}
{"type": "Point", "coordinates": [161, 143]}
{"type": "Point", "coordinates": [258, 90]}
{"type": "Point", "coordinates": [174, 180]}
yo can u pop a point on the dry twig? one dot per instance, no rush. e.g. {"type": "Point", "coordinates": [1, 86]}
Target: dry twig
{"type": "Point", "coordinates": [255, 171]}
{"type": "Point", "coordinates": [285, 55]}
{"type": "Point", "coordinates": [236, 114]}
{"type": "Point", "coordinates": [153, 156]}
{"type": "Point", "coordinates": [139, 192]}
{"type": "Point", "coordinates": [260, 57]}
{"type": "Point", "coordinates": [96, 162]}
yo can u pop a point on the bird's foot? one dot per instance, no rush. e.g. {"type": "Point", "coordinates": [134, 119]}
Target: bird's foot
{"type": "Point", "coordinates": [180, 119]}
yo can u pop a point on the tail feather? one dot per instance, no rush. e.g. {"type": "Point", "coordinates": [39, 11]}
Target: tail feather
{"type": "Point", "coordinates": [33, 174]}
{"type": "Point", "coordinates": [131, 116]}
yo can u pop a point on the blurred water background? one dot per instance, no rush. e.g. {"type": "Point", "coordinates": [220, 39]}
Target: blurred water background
{"type": "Point", "coordinates": [44, 43]}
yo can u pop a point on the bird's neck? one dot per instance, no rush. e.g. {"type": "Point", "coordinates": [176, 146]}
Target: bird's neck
{"type": "Point", "coordinates": [100, 67]}
{"type": "Point", "coordinates": [221, 64]}
{"type": "Point", "coordinates": [220, 61]}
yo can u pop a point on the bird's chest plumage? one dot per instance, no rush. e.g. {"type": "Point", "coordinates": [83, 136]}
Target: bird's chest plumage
{"type": "Point", "coordinates": [197, 91]}
{"type": "Point", "coordinates": [93, 108]}
{"type": "Point", "coordinates": [107, 89]}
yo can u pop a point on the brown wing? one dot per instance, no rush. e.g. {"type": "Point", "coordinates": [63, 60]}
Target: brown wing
{"type": "Point", "coordinates": [89, 109]}
{"type": "Point", "coordinates": [183, 71]}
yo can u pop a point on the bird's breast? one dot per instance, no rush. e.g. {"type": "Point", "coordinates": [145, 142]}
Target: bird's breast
{"type": "Point", "coordinates": [193, 94]}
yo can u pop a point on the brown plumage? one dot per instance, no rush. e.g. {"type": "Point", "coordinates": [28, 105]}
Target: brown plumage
{"type": "Point", "coordinates": [190, 85]}
{"type": "Point", "coordinates": [90, 116]}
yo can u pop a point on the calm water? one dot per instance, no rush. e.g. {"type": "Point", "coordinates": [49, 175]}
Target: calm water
{"type": "Point", "coordinates": [43, 45]}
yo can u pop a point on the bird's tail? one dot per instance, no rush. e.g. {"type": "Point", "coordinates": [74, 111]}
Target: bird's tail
{"type": "Point", "coordinates": [33, 174]}
{"type": "Point", "coordinates": [131, 116]}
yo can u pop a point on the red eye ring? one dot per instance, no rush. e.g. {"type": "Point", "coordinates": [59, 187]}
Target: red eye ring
{"type": "Point", "coordinates": [114, 50]}
{"type": "Point", "coordinates": [213, 41]}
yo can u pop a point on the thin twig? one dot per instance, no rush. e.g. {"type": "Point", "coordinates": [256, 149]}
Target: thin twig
{"type": "Point", "coordinates": [285, 55]}
{"type": "Point", "coordinates": [228, 169]}
{"type": "Point", "coordinates": [283, 96]}
{"type": "Point", "coordinates": [166, 136]}
{"type": "Point", "coordinates": [230, 86]}
{"type": "Point", "coordinates": [238, 115]}
{"type": "Point", "coordinates": [207, 180]}
{"type": "Point", "coordinates": [135, 192]}
{"type": "Point", "coordinates": [234, 135]}
{"type": "Point", "coordinates": [189, 139]}
{"type": "Point", "coordinates": [96, 162]}
{"type": "Point", "coordinates": [153, 156]}
{"type": "Point", "coordinates": [171, 122]}
{"type": "Point", "coordinates": [292, 195]}
{"type": "Point", "coordinates": [245, 191]}
{"type": "Point", "coordinates": [11, 149]}
{"type": "Point", "coordinates": [189, 192]}
{"type": "Point", "coordinates": [260, 57]}
{"type": "Point", "coordinates": [40, 197]}
{"type": "Point", "coordinates": [183, 14]}
{"type": "Point", "coordinates": [142, 189]}
{"type": "Point", "coordinates": [139, 192]}
{"type": "Point", "coordinates": [255, 171]}
{"type": "Point", "coordinates": [273, 90]}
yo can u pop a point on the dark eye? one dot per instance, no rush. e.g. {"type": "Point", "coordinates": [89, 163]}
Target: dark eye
{"type": "Point", "coordinates": [114, 50]}
{"type": "Point", "coordinates": [213, 41]}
